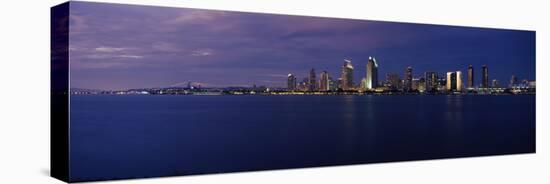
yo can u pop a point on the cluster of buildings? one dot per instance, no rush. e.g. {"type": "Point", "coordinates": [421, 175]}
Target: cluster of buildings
{"type": "Point", "coordinates": [429, 82]}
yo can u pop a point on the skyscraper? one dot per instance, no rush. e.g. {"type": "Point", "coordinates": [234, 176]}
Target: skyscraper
{"type": "Point", "coordinates": [291, 82]}
{"type": "Point", "coordinates": [458, 81]}
{"type": "Point", "coordinates": [393, 81]}
{"type": "Point", "coordinates": [430, 81]}
{"type": "Point", "coordinates": [407, 83]}
{"type": "Point", "coordinates": [454, 81]}
{"type": "Point", "coordinates": [363, 84]}
{"type": "Point", "coordinates": [495, 83]}
{"type": "Point", "coordinates": [347, 75]}
{"type": "Point", "coordinates": [470, 77]}
{"type": "Point", "coordinates": [324, 81]}
{"type": "Point", "coordinates": [312, 81]}
{"type": "Point", "coordinates": [332, 84]}
{"type": "Point", "coordinates": [372, 74]}
{"type": "Point", "coordinates": [415, 84]}
{"type": "Point", "coordinates": [484, 76]}
{"type": "Point", "coordinates": [303, 86]}
{"type": "Point", "coordinates": [421, 85]}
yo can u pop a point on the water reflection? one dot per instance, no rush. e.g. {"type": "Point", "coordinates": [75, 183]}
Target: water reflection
{"type": "Point", "coordinates": [350, 127]}
{"type": "Point", "coordinates": [454, 117]}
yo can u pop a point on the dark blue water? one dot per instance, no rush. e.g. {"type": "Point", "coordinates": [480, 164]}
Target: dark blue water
{"type": "Point", "coordinates": [144, 136]}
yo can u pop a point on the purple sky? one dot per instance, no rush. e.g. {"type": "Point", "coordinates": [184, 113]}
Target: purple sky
{"type": "Point", "coordinates": [116, 46]}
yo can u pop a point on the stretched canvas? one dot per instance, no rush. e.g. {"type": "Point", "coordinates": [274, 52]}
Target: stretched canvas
{"type": "Point", "coordinates": [147, 91]}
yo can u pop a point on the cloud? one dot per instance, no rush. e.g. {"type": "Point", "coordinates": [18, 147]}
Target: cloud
{"type": "Point", "coordinates": [129, 56]}
{"type": "Point", "coordinates": [77, 24]}
{"type": "Point", "coordinates": [109, 49]}
{"type": "Point", "coordinates": [202, 52]}
{"type": "Point", "coordinates": [108, 56]}
{"type": "Point", "coordinates": [165, 47]}
{"type": "Point", "coordinates": [196, 16]}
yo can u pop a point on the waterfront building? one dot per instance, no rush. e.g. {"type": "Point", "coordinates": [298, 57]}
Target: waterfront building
{"type": "Point", "coordinates": [484, 76]}
{"type": "Point", "coordinates": [470, 83]}
{"type": "Point", "coordinates": [407, 83]}
{"type": "Point", "coordinates": [415, 84]}
{"type": "Point", "coordinates": [291, 82]}
{"type": "Point", "coordinates": [363, 84]}
{"type": "Point", "coordinates": [324, 82]}
{"type": "Point", "coordinates": [312, 81]}
{"type": "Point", "coordinates": [333, 85]}
{"type": "Point", "coordinates": [393, 81]}
{"type": "Point", "coordinates": [347, 75]}
{"type": "Point", "coordinates": [454, 81]}
{"type": "Point", "coordinates": [372, 74]}
{"type": "Point", "coordinates": [421, 85]}
{"type": "Point", "coordinates": [430, 84]}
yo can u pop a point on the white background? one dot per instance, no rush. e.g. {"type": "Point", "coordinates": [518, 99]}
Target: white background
{"type": "Point", "coordinates": [24, 91]}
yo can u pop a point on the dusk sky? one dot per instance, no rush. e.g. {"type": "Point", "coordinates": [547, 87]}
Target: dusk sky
{"type": "Point", "coordinates": [115, 46]}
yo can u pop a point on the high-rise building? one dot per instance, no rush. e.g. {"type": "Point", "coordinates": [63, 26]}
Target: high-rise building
{"type": "Point", "coordinates": [407, 83]}
{"type": "Point", "coordinates": [458, 81]}
{"type": "Point", "coordinates": [495, 83]}
{"type": "Point", "coordinates": [372, 74]}
{"type": "Point", "coordinates": [415, 84]}
{"type": "Point", "coordinates": [363, 84]}
{"type": "Point", "coordinates": [513, 81]}
{"type": "Point", "coordinates": [470, 77]}
{"type": "Point", "coordinates": [430, 81]}
{"type": "Point", "coordinates": [441, 82]}
{"type": "Point", "coordinates": [324, 81]}
{"type": "Point", "coordinates": [484, 76]}
{"type": "Point", "coordinates": [332, 85]}
{"type": "Point", "coordinates": [393, 81]}
{"type": "Point", "coordinates": [304, 85]}
{"type": "Point", "coordinates": [454, 81]}
{"type": "Point", "coordinates": [347, 75]}
{"type": "Point", "coordinates": [312, 81]}
{"type": "Point", "coordinates": [291, 82]}
{"type": "Point", "coordinates": [421, 85]}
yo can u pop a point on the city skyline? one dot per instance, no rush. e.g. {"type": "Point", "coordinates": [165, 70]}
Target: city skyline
{"type": "Point", "coordinates": [125, 47]}
{"type": "Point", "coordinates": [427, 82]}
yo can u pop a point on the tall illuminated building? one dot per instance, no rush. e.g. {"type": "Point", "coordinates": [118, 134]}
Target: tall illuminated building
{"type": "Point", "coordinates": [454, 81]}
{"type": "Point", "coordinates": [458, 81]}
{"type": "Point", "coordinates": [415, 84]}
{"type": "Point", "coordinates": [470, 77]}
{"type": "Point", "coordinates": [430, 81]}
{"type": "Point", "coordinates": [304, 85]}
{"type": "Point", "coordinates": [291, 82]}
{"type": "Point", "coordinates": [332, 85]}
{"type": "Point", "coordinates": [393, 81]}
{"type": "Point", "coordinates": [339, 83]}
{"type": "Point", "coordinates": [372, 74]}
{"type": "Point", "coordinates": [363, 84]}
{"type": "Point", "coordinates": [441, 82]}
{"type": "Point", "coordinates": [421, 85]}
{"type": "Point", "coordinates": [407, 82]}
{"type": "Point", "coordinates": [347, 75]}
{"type": "Point", "coordinates": [312, 81]}
{"type": "Point", "coordinates": [484, 76]}
{"type": "Point", "coordinates": [324, 81]}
